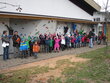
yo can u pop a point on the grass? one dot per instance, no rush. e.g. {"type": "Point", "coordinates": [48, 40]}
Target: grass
{"type": "Point", "coordinates": [54, 80]}
{"type": "Point", "coordinates": [96, 70]}
{"type": "Point", "coordinates": [62, 62]}
{"type": "Point", "coordinates": [22, 76]}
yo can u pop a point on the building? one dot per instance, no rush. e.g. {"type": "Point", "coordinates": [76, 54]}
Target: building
{"type": "Point", "coordinates": [46, 16]}
{"type": "Point", "coordinates": [102, 18]}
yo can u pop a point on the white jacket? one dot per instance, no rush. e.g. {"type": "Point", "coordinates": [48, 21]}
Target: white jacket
{"type": "Point", "coordinates": [63, 41]}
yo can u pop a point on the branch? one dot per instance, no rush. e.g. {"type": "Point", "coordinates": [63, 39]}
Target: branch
{"type": "Point", "coordinates": [9, 4]}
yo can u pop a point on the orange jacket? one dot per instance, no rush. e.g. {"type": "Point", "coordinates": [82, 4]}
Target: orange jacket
{"type": "Point", "coordinates": [36, 48]}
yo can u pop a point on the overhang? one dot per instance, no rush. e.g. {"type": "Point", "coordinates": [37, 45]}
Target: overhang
{"type": "Point", "coordinates": [35, 16]}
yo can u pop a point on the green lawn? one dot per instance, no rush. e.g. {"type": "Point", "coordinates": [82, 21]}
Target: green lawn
{"type": "Point", "coordinates": [96, 70]}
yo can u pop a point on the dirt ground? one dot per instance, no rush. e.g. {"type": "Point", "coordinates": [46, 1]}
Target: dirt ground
{"type": "Point", "coordinates": [51, 63]}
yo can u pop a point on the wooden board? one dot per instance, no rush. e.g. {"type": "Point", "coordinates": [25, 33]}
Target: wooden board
{"type": "Point", "coordinates": [108, 32]}
{"type": "Point", "coordinates": [44, 17]}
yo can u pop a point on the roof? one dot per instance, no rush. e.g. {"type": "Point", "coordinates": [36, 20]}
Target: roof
{"type": "Point", "coordinates": [90, 6]}
{"type": "Point", "coordinates": [93, 4]}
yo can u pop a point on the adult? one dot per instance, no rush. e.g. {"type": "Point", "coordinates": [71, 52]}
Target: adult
{"type": "Point", "coordinates": [65, 30]}
{"type": "Point", "coordinates": [42, 42]}
{"type": "Point", "coordinates": [67, 41]}
{"type": "Point", "coordinates": [63, 43]}
{"type": "Point", "coordinates": [5, 45]}
{"type": "Point", "coordinates": [91, 36]}
{"type": "Point", "coordinates": [16, 44]}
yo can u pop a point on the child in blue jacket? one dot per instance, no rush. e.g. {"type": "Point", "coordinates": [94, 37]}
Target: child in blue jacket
{"type": "Point", "coordinates": [23, 48]}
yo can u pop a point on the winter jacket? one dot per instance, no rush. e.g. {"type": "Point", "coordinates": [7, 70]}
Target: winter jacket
{"type": "Point", "coordinates": [16, 41]}
{"type": "Point", "coordinates": [47, 42]}
{"type": "Point", "coordinates": [23, 46]}
{"type": "Point", "coordinates": [5, 39]}
{"type": "Point", "coordinates": [36, 48]}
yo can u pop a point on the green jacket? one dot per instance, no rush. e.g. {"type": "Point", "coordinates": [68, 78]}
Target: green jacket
{"type": "Point", "coordinates": [51, 43]}
{"type": "Point", "coordinates": [27, 43]}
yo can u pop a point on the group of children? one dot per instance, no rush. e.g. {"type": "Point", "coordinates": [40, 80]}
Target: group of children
{"type": "Point", "coordinates": [51, 42]}
{"type": "Point", "coordinates": [48, 43]}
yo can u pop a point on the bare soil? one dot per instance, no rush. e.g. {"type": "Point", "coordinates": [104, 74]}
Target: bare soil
{"type": "Point", "coordinates": [51, 63]}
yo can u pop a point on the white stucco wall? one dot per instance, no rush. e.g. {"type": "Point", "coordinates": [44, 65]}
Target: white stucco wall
{"type": "Point", "coordinates": [62, 8]}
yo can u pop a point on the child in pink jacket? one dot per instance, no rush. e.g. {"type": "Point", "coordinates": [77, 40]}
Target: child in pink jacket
{"type": "Point", "coordinates": [57, 45]}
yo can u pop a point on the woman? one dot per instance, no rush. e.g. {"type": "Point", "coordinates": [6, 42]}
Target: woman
{"type": "Point", "coordinates": [5, 45]}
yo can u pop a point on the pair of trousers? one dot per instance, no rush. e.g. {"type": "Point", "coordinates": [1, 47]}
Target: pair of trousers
{"type": "Point", "coordinates": [91, 43]}
{"type": "Point", "coordinates": [78, 45]}
{"type": "Point", "coordinates": [35, 54]}
{"type": "Point", "coordinates": [46, 48]}
{"type": "Point", "coordinates": [6, 53]}
{"type": "Point", "coordinates": [23, 54]}
{"type": "Point", "coordinates": [50, 49]}
{"type": "Point", "coordinates": [16, 52]}
{"type": "Point", "coordinates": [62, 47]}
{"type": "Point", "coordinates": [42, 46]}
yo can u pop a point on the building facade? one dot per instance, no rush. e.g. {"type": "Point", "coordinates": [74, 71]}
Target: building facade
{"type": "Point", "coordinates": [46, 16]}
{"type": "Point", "coordinates": [103, 20]}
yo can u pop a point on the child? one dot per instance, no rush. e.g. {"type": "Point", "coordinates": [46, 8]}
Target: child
{"type": "Point", "coordinates": [23, 48]}
{"type": "Point", "coordinates": [36, 49]}
{"type": "Point", "coordinates": [75, 41]}
{"type": "Point", "coordinates": [56, 45]}
{"type": "Point", "coordinates": [51, 44]}
{"type": "Point", "coordinates": [47, 44]}
{"type": "Point", "coordinates": [78, 40]}
{"type": "Point", "coordinates": [72, 41]}
{"type": "Point", "coordinates": [83, 41]}
{"type": "Point", "coordinates": [63, 43]}
{"type": "Point", "coordinates": [67, 39]}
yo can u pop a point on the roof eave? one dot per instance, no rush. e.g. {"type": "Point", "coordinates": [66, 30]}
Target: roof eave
{"type": "Point", "coordinates": [35, 16]}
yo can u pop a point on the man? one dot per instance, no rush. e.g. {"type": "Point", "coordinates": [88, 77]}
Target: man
{"type": "Point", "coordinates": [16, 44]}
{"type": "Point", "coordinates": [91, 36]}
{"type": "Point", "coordinates": [5, 45]}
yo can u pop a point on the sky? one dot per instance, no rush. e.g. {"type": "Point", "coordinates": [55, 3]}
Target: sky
{"type": "Point", "coordinates": [102, 3]}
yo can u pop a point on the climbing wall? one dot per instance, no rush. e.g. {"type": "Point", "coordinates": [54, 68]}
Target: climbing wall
{"type": "Point", "coordinates": [33, 27]}
{"type": "Point", "coordinates": [61, 25]}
